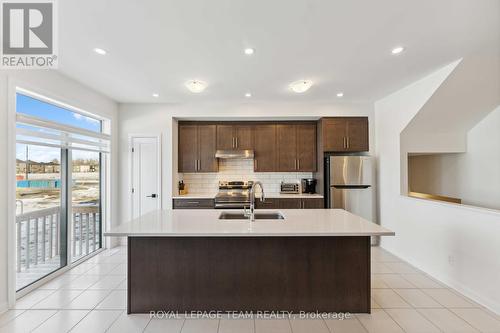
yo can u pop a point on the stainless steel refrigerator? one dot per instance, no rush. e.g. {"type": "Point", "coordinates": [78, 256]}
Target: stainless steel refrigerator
{"type": "Point", "coordinates": [350, 185]}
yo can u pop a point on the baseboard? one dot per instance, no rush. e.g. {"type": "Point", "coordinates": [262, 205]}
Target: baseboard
{"type": "Point", "coordinates": [461, 288]}
{"type": "Point", "coordinates": [4, 307]}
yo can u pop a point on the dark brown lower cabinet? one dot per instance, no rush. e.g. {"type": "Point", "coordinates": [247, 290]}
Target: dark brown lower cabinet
{"type": "Point", "coordinates": [271, 203]}
{"type": "Point", "coordinates": [290, 203]}
{"type": "Point", "coordinates": [310, 274]}
{"type": "Point", "coordinates": [193, 203]}
{"type": "Point", "coordinates": [313, 203]}
{"type": "Point", "coordinates": [268, 204]}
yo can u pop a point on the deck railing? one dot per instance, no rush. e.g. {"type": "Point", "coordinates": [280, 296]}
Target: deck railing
{"type": "Point", "coordinates": [38, 234]}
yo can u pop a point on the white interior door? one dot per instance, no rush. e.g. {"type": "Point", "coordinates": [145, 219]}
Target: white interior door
{"type": "Point", "coordinates": [146, 175]}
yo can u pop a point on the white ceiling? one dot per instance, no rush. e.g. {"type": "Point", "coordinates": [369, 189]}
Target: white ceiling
{"type": "Point", "coordinates": [157, 45]}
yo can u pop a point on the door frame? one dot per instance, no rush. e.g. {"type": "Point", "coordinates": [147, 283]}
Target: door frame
{"type": "Point", "coordinates": [131, 137]}
{"type": "Point", "coordinates": [15, 85]}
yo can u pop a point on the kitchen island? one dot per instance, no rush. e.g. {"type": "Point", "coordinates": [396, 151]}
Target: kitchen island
{"type": "Point", "coordinates": [191, 260]}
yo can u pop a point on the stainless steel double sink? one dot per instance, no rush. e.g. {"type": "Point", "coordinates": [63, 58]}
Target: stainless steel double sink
{"type": "Point", "coordinates": [258, 216]}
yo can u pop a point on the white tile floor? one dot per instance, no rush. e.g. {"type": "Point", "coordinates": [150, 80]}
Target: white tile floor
{"type": "Point", "coordinates": [92, 298]}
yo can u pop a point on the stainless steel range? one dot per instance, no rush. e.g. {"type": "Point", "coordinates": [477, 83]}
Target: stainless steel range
{"type": "Point", "coordinates": [233, 194]}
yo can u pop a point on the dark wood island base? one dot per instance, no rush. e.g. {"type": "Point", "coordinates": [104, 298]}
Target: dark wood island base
{"type": "Point", "coordinates": [324, 274]}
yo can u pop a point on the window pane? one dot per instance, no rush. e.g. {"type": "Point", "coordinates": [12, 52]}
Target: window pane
{"type": "Point", "coordinates": [34, 107]}
{"type": "Point", "coordinates": [86, 203]}
{"type": "Point", "coordinates": [39, 228]}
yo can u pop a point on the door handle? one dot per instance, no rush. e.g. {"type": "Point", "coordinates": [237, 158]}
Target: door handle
{"type": "Point", "coordinates": [345, 142]}
{"type": "Point", "coordinates": [348, 142]}
{"type": "Point", "coordinates": [295, 166]}
{"type": "Point", "coordinates": [298, 164]}
{"type": "Point", "coordinates": [232, 142]}
{"type": "Point", "coordinates": [151, 196]}
{"type": "Point", "coordinates": [236, 140]}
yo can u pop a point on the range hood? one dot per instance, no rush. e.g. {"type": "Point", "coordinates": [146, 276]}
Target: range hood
{"type": "Point", "coordinates": [227, 154]}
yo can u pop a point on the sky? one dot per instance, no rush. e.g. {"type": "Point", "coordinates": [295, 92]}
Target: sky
{"type": "Point", "coordinates": [33, 107]}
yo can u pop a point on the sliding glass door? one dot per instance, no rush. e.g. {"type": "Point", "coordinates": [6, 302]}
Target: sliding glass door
{"type": "Point", "coordinates": [40, 213]}
{"type": "Point", "coordinates": [86, 203]}
{"type": "Point", "coordinates": [59, 187]}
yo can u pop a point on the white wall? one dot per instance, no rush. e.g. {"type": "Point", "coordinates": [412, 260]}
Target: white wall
{"type": "Point", "coordinates": [161, 118]}
{"type": "Point", "coordinates": [435, 174]}
{"type": "Point", "coordinates": [59, 87]}
{"type": "Point", "coordinates": [472, 176]}
{"type": "Point", "coordinates": [458, 245]}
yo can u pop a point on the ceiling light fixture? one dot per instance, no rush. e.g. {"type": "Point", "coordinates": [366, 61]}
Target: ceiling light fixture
{"type": "Point", "coordinates": [196, 86]}
{"type": "Point", "coordinates": [301, 86]}
{"type": "Point", "coordinates": [248, 95]}
{"type": "Point", "coordinates": [156, 95]}
{"type": "Point", "coordinates": [397, 50]}
{"type": "Point", "coordinates": [100, 51]}
{"type": "Point", "coordinates": [249, 51]}
{"type": "Point", "coordinates": [340, 94]}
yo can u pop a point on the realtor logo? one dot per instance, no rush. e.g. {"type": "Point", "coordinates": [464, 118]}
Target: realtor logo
{"type": "Point", "coordinates": [28, 34]}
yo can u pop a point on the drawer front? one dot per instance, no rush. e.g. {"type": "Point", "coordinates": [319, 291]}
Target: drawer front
{"type": "Point", "coordinates": [313, 203]}
{"type": "Point", "coordinates": [193, 203]}
{"type": "Point", "coordinates": [268, 204]}
{"type": "Point", "coordinates": [290, 203]}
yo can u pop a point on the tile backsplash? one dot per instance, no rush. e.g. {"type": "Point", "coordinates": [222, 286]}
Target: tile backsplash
{"type": "Point", "coordinates": [238, 169]}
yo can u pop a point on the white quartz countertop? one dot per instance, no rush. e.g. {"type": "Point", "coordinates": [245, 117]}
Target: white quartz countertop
{"type": "Point", "coordinates": [206, 223]}
{"type": "Point", "coordinates": [294, 195]}
{"type": "Point", "coordinates": [270, 196]}
{"type": "Point", "coordinates": [195, 196]}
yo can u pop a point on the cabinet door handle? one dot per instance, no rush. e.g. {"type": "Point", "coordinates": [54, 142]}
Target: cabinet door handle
{"type": "Point", "coordinates": [348, 139]}
{"type": "Point", "coordinates": [345, 143]}
{"type": "Point", "coordinates": [236, 140]}
{"type": "Point", "coordinates": [195, 165]}
{"type": "Point", "coordinates": [295, 164]}
{"type": "Point", "coordinates": [234, 143]}
{"type": "Point", "coordinates": [298, 164]}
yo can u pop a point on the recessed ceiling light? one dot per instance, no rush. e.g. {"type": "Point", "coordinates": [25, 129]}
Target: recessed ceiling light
{"type": "Point", "coordinates": [100, 51]}
{"type": "Point", "coordinates": [196, 86]}
{"type": "Point", "coordinates": [156, 95]}
{"type": "Point", "coordinates": [249, 51]}
{"type": "Point", "coordinates": [248, 95]}
{"type": "Point", "coordinates": [340, 94]}
{"type": "Point", "coordinates": [397, 50]}
{"type": "Point", "coordinates": [301, 86]}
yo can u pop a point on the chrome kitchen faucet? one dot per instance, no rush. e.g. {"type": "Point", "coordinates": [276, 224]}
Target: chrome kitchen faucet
{"type": "Point", "coordinates": [252, 199]}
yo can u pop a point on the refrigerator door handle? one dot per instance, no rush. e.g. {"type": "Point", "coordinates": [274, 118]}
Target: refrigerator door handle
{"type": "Point", "coordinates": [353, 187]}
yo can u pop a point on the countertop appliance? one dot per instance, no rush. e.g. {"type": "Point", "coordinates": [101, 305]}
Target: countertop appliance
{"type": "Point", "coordinates": [309, 185]}
{"type": "Point", "coordinates": [233, 194]}
{"type": "Point", "coordinates": [289, 188]}
{"type": "Point", "coordinates": [349, 184]}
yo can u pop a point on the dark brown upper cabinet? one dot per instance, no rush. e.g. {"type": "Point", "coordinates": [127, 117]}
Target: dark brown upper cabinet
{"type": "Point", "coordinates": [296, 147]}
{"type": "Point", "coordinates": [306, 147]}
{"type": "Point", "coordinates": [345, 134]}
{"type": "Point", "coordinates": [232, 137]}
{"type": "Point", "coordinates": [265, 159]}
{"type": "Point", "coordinates": [197, 146]}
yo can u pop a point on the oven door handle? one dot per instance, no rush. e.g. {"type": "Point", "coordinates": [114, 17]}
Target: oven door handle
{"type": "Point", "coordinates": [240, 205]}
